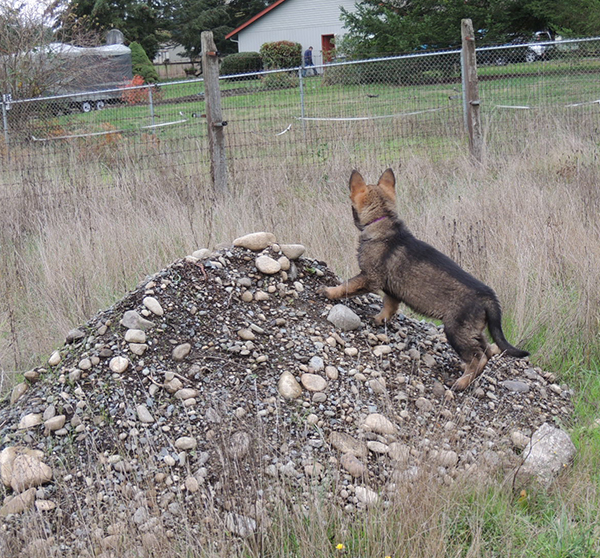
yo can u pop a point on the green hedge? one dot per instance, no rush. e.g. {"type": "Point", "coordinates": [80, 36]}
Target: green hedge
{"type": "Point", "coordinates": [241, 63]}
{"type": "Point", "coordinates": [402, 71]}
{"type": "Point", "coordinates": [281, 54]}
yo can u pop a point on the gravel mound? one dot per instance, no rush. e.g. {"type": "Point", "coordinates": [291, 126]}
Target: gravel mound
{"type": "Point", "coordinates": [220, 380]}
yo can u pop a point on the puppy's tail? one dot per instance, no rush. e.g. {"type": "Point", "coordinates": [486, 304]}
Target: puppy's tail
{"type": "Point", "coordinates": [494, 319]}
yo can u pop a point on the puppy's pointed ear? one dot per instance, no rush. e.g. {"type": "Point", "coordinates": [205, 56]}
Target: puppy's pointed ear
{"type": "Point", "coordinates": [387, 182]}
{"type": "Point", "coordinates": [357, 182]}
{"type": "Point", "coordinates": [358, 189]}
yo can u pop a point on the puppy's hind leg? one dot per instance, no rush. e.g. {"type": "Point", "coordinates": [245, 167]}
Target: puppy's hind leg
{"type": "Point", "coordinates": [471, 349]}
{"type": "Point", "coordinates": [390, 307]}
{"type": "Point", "coordinates": [474, 368]}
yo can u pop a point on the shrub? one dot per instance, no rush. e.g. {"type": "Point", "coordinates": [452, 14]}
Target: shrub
{"type": "Point", "coordinates": [397, 71]}
{"type": "Point", "coordinates": [281, 54]}
{"type": "Point", "coordinates": [135, 96]}
{"type": "Point", "coordinates": [241, 63]}
{"type": "Point", "coordinates": [142, 66]}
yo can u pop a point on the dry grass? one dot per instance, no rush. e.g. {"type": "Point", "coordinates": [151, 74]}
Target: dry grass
{"type": "Point", "coordinates": [527, 224]}
{"type": "Point", "coordinates": [422, 519]}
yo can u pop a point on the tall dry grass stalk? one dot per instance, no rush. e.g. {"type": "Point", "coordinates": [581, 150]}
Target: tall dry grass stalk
{"type": "Point", "coordinates": [420, 518]}
{"type": "Point", "coordinates": [527, 224]}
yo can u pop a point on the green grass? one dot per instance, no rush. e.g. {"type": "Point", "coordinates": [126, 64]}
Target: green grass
{"type": "Point", "coordinates": [257, 110]}
{"type": "Point", "coordinates": [479, 521]}
{"type": "Point", "coordinates": [558, 66]}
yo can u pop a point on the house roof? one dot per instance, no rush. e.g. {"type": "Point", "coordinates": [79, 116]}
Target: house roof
{"type": "Point", "coordinates": [253, 19]}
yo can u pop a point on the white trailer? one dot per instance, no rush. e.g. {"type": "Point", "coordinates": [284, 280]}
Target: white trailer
{"type": "Point", "coordinates": [91, 77]}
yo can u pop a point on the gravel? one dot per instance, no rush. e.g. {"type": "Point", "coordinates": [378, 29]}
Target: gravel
{"type": "Point", "coordinates": [244, 384]}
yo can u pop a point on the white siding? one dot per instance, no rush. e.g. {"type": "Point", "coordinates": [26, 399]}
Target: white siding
{"type": "Point", "coordinates": [301, 21]}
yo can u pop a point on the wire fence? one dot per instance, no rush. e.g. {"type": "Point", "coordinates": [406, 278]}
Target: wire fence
{"type": "Point", "coordinates": [343, 112]}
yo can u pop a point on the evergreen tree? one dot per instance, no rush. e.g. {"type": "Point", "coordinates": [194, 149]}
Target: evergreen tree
{"type": "Point", "coordinates": [192, 17]}
{"type": "Point", "coordinates": [241, 11]}
{"type": "Point", "coordinates": [380, 27]}
{"type": "Point", "coordinates": [141, 64]}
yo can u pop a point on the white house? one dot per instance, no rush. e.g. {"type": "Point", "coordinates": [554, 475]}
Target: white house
{"type": "Point", "coordinates": [171, 53]}
{"type": "Point", "coordinates": [171, 61]}
{"type": "Point", "coordinates": [313, 23]}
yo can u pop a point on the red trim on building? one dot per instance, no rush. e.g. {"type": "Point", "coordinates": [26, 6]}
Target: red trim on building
{"type": "Point", "coordinates": [253, 19]}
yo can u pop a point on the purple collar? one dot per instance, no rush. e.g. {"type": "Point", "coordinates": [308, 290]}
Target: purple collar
{"type": "Point", "coordinates": [376, 220]}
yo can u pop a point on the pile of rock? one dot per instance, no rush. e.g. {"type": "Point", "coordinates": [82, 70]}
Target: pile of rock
{"type": "Point", "coordinates": [226, 376]}
{"type": "Point", "coordinates": [23, 470]}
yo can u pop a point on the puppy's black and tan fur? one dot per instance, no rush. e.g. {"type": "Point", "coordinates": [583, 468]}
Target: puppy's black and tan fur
{"type": "Point", "coordinates": [393, 262]}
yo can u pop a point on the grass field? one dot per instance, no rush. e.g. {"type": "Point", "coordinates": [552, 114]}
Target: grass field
{"type": "Point", "coordinates": [255, 102]}
{"type": "Point", "coordinates": [82, 222]}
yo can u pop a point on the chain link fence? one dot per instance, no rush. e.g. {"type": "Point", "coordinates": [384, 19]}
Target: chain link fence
{"type": "Point", "coordinates": [343, 112]}
{"type": "Point", "coordinates": [538, 89]}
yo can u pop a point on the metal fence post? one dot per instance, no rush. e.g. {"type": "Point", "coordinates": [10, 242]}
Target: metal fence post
{"type": "Point", "coordinates": [214, 118]}
{"type": "Point", "coordinates": [5, 100]}
{"type": "Point", "coordinates": [470, 86]}
{"type": "Point", "coordinates": [151, 102]}
{"type": "Point", "coordinates": [300, 72]}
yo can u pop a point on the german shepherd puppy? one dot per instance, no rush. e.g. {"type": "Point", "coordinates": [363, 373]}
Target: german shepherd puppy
{"type": "Point", "coordinates": [393, 262]}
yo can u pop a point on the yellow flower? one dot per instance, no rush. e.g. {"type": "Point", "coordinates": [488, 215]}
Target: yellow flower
{"type": "Point", "coordinates": [523, 496]}
{"type": "Point", "coordinates": [340, 546]}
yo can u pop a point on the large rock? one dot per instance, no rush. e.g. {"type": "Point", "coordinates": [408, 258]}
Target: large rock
{"type": "Point", "coordinates": [288, 386]}
{"type": "Point", "coordinates": [313, 382]}
{"type": "Point", "coordinates": [55, 423]}
{"type": "Point", "coordinates": [135, 336]}
{"type": "Point", "coordinates": [21, 470]}
{"type": "Point", "coordinates": [144, 414]}
{"type": "Point", "coordinates": [347, 444]}
{"type": "Point", "coordinates": [549, 452]}
{"type": "Point", "coordinates": [18, 392]}
{"type": "Point", "coordinates": [181, 351]}
{"type": "Point", "coordinates": [343, 318]}
{"type": "Point", "coordinates": [153, 305]}
{"type": "Point", "coordinates": [267, 265]}
{"type": "Point", "coordinates": [29, 421]}
{"type": "Point", "coordinates": [376, 422]}
{"type": "Point", "coordinates": [241, 525]}
{"type": "Point", "coordinates": [18, 504]}
{"type": "Point", "coordinates": [132, 320]}
{"type": "Point", "coordinates": [7, 458]}
{"type": "Point", "coordinates": [186, 443]}
{"type": "Point", "coordinates": [255, 241]}
{"type": "Point", "coordinates": [366, 495]}
{"type": "Point", "coordinates": [293, 251]}
{"type": "Point", "coordinates": [353, 465]}
{"type": "Point", "coordinates": [119, 364]}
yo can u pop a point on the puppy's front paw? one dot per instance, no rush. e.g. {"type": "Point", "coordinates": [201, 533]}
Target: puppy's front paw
{"type": "Point", "coordinates": [382, 318]}
{"type": "Point", "coordinates": [326, 291]}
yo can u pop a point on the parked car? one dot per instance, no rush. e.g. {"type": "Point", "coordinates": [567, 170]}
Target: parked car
{"type": "Point", "coordinates": [519, 48]}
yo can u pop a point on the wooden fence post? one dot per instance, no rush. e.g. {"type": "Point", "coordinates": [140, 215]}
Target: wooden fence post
{"type": "Point", "coordinates": [214, 118]}
{"type": "Point", "coordinates": [471, 102]}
